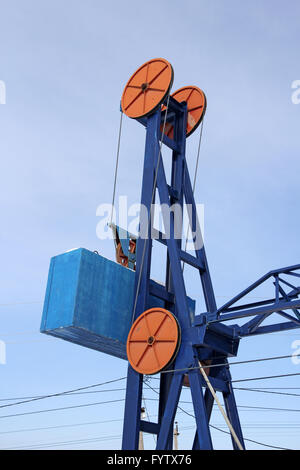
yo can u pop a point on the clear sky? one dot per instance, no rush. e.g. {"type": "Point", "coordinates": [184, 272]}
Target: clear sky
{"type": "Point", "coordinates": [65, 65]}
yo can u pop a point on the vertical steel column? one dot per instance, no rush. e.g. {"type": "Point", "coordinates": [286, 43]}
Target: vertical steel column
{"type": "Point", "coordinates": [176, 197]}
{"type": "Point", "coordinates": [203, 432]}
{"type": "Point", "coordinates": [188, 355]}
{"type": "Point", "coordinates": [200, 251]}
{"type": "Point", "coordinates": [232, 412]}
{"type": "Point", "coordinates": [134, 388]}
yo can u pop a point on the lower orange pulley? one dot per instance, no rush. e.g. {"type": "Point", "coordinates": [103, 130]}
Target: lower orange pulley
{"type": "Point", "coordinates": [153, 341]}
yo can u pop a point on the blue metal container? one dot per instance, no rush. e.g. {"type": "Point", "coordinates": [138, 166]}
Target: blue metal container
{"type": "Point", "coordinates": [89, 301]}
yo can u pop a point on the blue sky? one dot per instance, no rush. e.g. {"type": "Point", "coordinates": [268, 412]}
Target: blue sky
{"type": "Point", "coordinates": [65, 65]}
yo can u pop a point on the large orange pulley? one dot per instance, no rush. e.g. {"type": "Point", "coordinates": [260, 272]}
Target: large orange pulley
{"type": "Point", "coordinates": [196, 108]}
{"type": "Point", "coordinates": [153, 341]}
{"type": "Point", "coordinates": [147, 88]}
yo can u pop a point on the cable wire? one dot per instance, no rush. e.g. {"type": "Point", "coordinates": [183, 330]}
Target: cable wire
{"type": "Point", "coordinates": [265, 378]}
{"type": "Point", "coordinates": [267, 391]}
{"type": "Point", "coordinates": [62, 393]}
{"type": "Point", "coordinates": [116, 168]}
{"type": "Point", "coordinates": [63, 408]}
{"type": "Point", "coordinates": [259, 390]}
{"type": "Point", "coordinates": [226, 432]}
{"type": "Point", "coordinates": [150, 211]}
{"type": "Point", "coordinates": [194, 185]}
{"type": "Point", "coordinates": [249, 361]}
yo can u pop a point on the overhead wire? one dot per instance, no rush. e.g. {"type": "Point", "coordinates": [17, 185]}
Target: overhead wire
{"type": "Point", "coordinates": [226, 432]}
{"type": "Point", "coordinates": [91, 423]}
{"type": "Point", "coordinates": [159, 156]}
{"type": "Point", "coordinates": [194, 184]}
{"type": "Point", "coordinates": [61, 426]}
{"type": "Point", "coordinates": [62, 443]}
{"type": "Point", "coordinates": [184, 411]}
{"type": "Point", "coordinates": [266, 377]}
{"type": "Point", "coordinates": [267, 391]}
{"type": "Point", "coordinates": [249, 361]}
{"type": "Point", "coordinates": [67, 392]}
{"type": "Point", "coordinates": [62, 408]}
{"type": "Point", "coordinates": [242, 407]}
{"type": "Point", "coordinates": [246, 407]}
{"type": "Point", "coordinates": [262, 390]}
{"type": "Point", "coordinates": [116, 168]}
{"type": "Point", "coordinates": [74, 391]}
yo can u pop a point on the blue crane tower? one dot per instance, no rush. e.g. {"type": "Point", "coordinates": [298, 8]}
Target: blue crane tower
{"type": "Point", "coordinates": [118, 309]}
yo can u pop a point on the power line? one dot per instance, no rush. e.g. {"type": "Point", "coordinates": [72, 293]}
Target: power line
{"type": "Point", "coordinates": [62, 393]}
{"type": "Point", "coordinates": [63, 408]}
{"type": "Point", "coordinates": [256, 389]}
{"type": "Point", "coordinates": [268, 408]}
{"type": "Point", "coordinates": [61, 443]}
{"type": "Point", "coordinates": [123, 399]}
{"type": "Point", "coordinates": [73, 392]}
{"type": "Point", "coordinates": [249, 361]}
{"type": "Point", "coordinates": [267, 391]}
{"type": "Point", "coordinates": [114, 437]}
{"type": "Point", "coordinates": [61, 426]}
{"type": "Point", "coordinates": [226, 432]}
{"type": "Point", "coordinates": [68, 394]}
{"type": "Point", "coordinates": [251, 440]}
{"type": "Point", "coordinates": [91, 423]}
{"type": "Point", "coordinates": [245, 407]}
{"type": "Point", "coordinates": [274, 388]}
{"type": "Point", "coordinates": [69, 425]}
{"type": "Point", "coordinates": [265, 378]}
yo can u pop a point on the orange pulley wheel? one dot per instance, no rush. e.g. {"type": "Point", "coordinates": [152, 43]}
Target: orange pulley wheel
{"type": "Point", "coordinates": [153, 341]}
{"type": "Point", "coordinates": [147, 88]}
{"type": "Point", "coordinates": [196, 106]}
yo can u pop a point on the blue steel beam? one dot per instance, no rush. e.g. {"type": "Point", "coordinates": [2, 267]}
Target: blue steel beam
{"type": "Point", "coordinates": [202, 421]}
{"type": "Point", "coordinates": [175, 196]}
{"type": "Point", "coordinates": [200, 252]}
{"type": "Point", "coordinates": [196, 262]}
{"type": "Point", "coordinates": [131, 427]}
{"type": "Point", "coordinates": [289, 270]}
{"type": "Point", "coordinates": [275, 328]}
{"type": "Point", "coordinates": [232, 413]}
{"type": "Point", "coordinates": [199, 342]}
{"type": "Point", "coordinates": [276, 307]}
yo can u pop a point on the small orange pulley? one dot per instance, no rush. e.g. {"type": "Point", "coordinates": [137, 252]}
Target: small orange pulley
{"type": "Point", "coordinates": [196, 107]}
{"type": "Point", "coordinates": [153, 341]}
{"type": "Point", "coordinates": [147, 88]}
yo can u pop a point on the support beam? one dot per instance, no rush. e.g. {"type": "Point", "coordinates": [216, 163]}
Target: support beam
{"type": "Point", "coordinates": [276, 328]}
{"type": "Point", "coordinates": [276, 307]}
